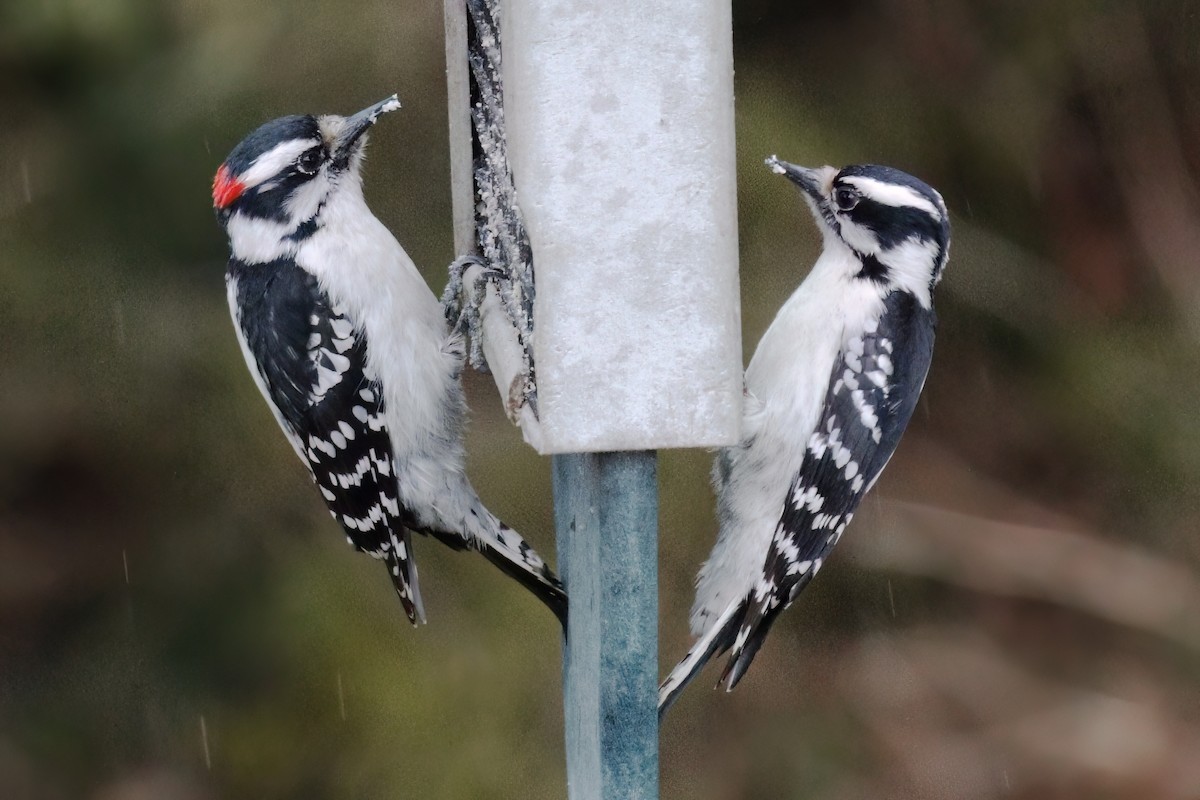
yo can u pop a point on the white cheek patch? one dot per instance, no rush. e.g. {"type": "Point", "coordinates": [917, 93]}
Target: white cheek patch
{"type": "Point", "coordinates": [909, 267]}
{"type": "Point", "coordinates": [274, 161]}
{"type": "Point", "coordinates": [860, 238]}
{"type": "Point", "coordinates": [891, 194]}
{"type": "Point", "coordinates": [305, 201]}
{"type": "Point", "coordinates": [255, 240]}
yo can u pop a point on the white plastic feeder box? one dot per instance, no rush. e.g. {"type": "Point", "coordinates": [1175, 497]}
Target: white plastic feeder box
{"type": "Point", "coordinates": [621, 139]}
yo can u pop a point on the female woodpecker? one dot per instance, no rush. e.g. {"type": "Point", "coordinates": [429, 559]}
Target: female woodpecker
{"type": "Point", "coordinates": [829, 391]}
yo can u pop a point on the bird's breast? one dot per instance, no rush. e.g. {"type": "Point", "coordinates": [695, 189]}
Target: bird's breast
{"type": "Point", "coordinates": [360, 264]}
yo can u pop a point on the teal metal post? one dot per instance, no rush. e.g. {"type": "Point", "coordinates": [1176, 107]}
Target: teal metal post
{"type": "Point", "coordinates": [606, 514]}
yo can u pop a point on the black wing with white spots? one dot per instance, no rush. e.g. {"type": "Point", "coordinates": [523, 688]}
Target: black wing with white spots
{"type": "Point", "coordinates": [873, 391]}
{"type": "Point", "coordinates": [311, 357]}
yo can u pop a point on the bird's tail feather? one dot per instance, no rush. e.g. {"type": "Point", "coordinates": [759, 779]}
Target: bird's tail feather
{"type": "Point", "coordinates": [508, 551]}
{"type": "Point", "coordinates": [751, 634]}
{"type": "Point", "coordinates": [403, 569]}
{"type": "Point", "coordinates": [718, 639]}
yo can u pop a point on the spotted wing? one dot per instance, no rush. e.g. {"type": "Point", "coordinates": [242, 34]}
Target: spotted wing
{"type": "Point", "coordinates": [873, 391]}
{"type": "Point", "coordinates": [309, 359]}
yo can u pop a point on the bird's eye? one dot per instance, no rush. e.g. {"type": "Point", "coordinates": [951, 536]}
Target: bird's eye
{"type": "Point", "coordinates": [844, 198]}
{"type": "Point", "coordinates": [310, 160]}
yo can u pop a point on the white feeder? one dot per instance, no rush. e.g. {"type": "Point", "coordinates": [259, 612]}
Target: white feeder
{"type": "Point", "coordinates": [620, 131]}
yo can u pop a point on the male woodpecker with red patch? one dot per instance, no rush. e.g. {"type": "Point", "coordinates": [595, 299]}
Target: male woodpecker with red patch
{"type": "Point", "coordinates": [352, 351]}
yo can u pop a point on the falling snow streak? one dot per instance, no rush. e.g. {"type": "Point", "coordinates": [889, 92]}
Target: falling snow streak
{"type": "Point", "coordinates": [204, 744]}
{"type": "Point", "coordinates": [341, 696]}
{"type": "Point", "coordinates": [26, 184]}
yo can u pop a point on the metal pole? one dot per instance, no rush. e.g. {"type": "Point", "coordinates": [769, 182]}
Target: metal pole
{"type": "Point", "coordinates": [606, 515]}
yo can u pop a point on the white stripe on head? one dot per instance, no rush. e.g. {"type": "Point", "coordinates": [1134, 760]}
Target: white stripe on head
{"type": "Point", "coordinates": [274, 161]}
{"type": "Point", "coordinates": [893, 194]}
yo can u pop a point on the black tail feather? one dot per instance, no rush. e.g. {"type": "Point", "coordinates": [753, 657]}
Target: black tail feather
{"type": "Point", "coordinates": [505, 549]}
{"type": "Point", "coordinates": [756, 626]}
{"type": "Point", "coordinates": [719, 638]}
{"type": "Point", "coordinates": [544, 585]}
{"type": "Point", "coordinates": [403, 572]}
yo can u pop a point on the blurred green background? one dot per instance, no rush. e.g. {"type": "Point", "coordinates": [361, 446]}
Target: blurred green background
{"type": "Point", "coordinates": [1015, 613]}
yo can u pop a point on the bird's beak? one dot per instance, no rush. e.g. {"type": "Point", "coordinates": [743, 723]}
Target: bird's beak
{"type": "Point", "coordinates": [354, 126]}
{"type": "Point", "coordinates": [814, 182]}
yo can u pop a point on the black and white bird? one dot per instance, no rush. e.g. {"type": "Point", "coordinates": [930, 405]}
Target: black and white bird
{"type": "Point", "coordinates": [829, 392]}
{"type": "Point", "coordinates": [352, 350]}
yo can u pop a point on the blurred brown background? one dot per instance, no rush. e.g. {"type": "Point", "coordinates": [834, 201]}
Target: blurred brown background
{"type": "Point", "coordinates": [1013, 615]}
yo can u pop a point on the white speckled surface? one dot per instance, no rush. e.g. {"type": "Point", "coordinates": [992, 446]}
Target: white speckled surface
{"type": "Point", "coordinates": [621, 138]}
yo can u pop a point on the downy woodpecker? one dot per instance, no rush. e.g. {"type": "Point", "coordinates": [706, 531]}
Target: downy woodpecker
{"type": "Point", "coordinates": [829, 391]}
{"type": "Point", "coordinates": [352, 351]}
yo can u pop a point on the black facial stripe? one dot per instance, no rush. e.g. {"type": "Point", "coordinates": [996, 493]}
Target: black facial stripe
{"type": "Point", "coordinates": [269, 204]}
{"type": "Point", "coordinates": [306, 228]}
{"type": "Point", "coordinates": [895, 224]}
{"type": "Point", "coordinates": [872, 269]}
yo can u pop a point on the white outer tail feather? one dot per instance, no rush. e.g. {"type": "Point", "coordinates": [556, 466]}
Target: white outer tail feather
{"type": "Point", "coordinates": [699, 654]}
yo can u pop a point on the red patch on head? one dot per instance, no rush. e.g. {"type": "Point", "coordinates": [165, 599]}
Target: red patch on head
{"type": "Point", "coordinates": [226, 188]}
